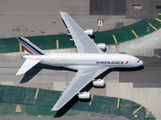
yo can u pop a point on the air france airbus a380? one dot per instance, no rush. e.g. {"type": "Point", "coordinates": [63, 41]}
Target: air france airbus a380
{"type": "Point", "coordinates": [90, 61]}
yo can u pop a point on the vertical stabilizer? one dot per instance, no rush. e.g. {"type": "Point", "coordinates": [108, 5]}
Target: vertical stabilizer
{"type": "Point", "coordinates": [29, 47]}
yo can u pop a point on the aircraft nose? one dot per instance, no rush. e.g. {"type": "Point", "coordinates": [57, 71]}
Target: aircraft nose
{"type": "Point", "coordinates": [141, 62]}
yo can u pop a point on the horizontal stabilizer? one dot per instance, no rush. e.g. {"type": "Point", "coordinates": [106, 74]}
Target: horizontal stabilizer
{"type": "Point", "coordinates": [27, 65]}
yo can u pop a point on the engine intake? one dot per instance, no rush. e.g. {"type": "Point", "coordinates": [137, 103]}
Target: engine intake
{"type": "Point", "coordinates": [102, 46]}
{"type": "Point", "coordinates": [88, 32]}
{"type": "Point", "coordinates": [84, 95]}
{"type": "Point", "coordinates": [98, 83]}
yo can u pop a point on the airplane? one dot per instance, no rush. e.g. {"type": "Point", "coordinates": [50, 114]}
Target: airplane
{"type": "Point", "coordinates": [90, 61]}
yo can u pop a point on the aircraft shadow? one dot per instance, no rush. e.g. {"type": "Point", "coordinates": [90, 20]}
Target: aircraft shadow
{"type": "Point", "coordinates": [37, 68]}
{"type": "Point", "coordinates": [66, 107]}
{"type": "Point", "coordinates": [30, 74]}
{"type": "Point", "coordinates": [131, 69]}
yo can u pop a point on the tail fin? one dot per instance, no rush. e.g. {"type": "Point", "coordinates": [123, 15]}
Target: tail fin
{"type": "Point", "coordinates": [29, 47]}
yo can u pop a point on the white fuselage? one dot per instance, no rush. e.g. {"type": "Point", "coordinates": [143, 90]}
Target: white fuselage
{"type": "Point", "coordinates": [79, 60]}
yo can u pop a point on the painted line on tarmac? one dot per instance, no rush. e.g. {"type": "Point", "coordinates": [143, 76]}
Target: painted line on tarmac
{"type": "Point", "coordinates": [57, 44]}
{"type": "Point", "coordinates": [158, 19]}
{"type": "Point", "coordinates": [115, 39]}
{"type": "Point", "coordinates": [36, 93]}
{"type": "Point", "coordinates": [152, 26]}
{"type": "Point", "coordinates": [151, 61]}
{"type": "Point", "coordinates": [159, 13]}
{"type": "Point", "coordinates": [18, 108]}
{"type": "Point", "coordinates": [118, 103]}
{"type": "Point", "coordinates": [137, 109]}
{"type": "Point", "coordinates": [92, 39]}
{"type": "Point", "coordinates": [20, 46]}
{"type": "Point", "coordinates": [135, 34]}
{"type": "Point", "coordinates": [91, 100]}
{"type": "Point", "coordinates": [149, 75]}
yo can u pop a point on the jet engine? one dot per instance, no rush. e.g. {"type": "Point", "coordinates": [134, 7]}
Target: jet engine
{"type": "Point", "coordinates": [88, 32]}
{"type": "Point", "coordinates": [102, 46]}
{"type": "Point", "coordinates": [84, 95]}
{"type": "Point", "coordinates": [98, 83]}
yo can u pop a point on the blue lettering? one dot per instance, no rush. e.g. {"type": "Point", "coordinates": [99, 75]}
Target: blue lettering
{"type": "Point", "coordinates": [101, 62]}
{"type": "Point", "coordinates": [108, 62]}
{"type": "Point", "coordinates": [116, 62]}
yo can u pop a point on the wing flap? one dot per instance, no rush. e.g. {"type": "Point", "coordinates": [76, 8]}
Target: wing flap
{"type": "Point", "coordinates": [80, 80]}
{"type": "Point", "coordinates": [27, 65]}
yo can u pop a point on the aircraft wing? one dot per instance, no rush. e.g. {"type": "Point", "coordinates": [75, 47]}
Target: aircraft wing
{"type": "Point", "coordinates": [82, 41]}
{"type": "Point", "coordinates": [81, 79]}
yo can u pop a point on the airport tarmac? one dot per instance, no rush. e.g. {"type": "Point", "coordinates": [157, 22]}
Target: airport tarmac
{"type": "Point", "coordinates": [39, 17]}
{"type": "Point", "coordinates": [119, 83]}
{"type": "Point", "coordinates": [141, 85]}
{"type": "Point", "coordinates": [110, 117]}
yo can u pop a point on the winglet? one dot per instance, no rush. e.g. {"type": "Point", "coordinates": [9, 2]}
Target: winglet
{"type": "Point", "coordinates": [54, 109]}
{"type": "Point", "coordinates": [62, 12]}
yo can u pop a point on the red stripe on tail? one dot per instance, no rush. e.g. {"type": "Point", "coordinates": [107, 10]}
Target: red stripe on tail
{"type": "Point", "coordinates": [27, 50]}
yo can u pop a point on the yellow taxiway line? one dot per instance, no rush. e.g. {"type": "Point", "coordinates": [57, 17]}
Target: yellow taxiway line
{"type": "Point", "coordinates": [137, 109]}
{"type": "Point", "coordinates": [115, 39]}
{"type": "Point", "coordinates": [20, 47]}
{"type": "Point", "coordinates": [118, 103]}
{"type": "Point", "coordinates": [91, 100]}
{"type": "Point", "coordinates": [152, 60]}
{"type": "Point", "coordinates": [18, 108]}
{"type": "Point", "coordinates": [152, 26]}
{"type": "Point", "coordinates": [149, 75]}
{"type": "Point", "coordinates": [36, 93]}
{"type": "Point", "coordinates": [57, 44]}
{"type": "Point", "coordinates": [135, 34]}
{"type": "Point", "coordinates": [158, 19]}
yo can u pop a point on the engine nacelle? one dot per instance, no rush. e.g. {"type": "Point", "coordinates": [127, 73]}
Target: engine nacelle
{"type": "Point", "coordinates": [102, 46]}
{"type": "Point", "coordinates": [88, 32]}
{"type": "Point", "coordinates": [84, 95]}
{"type": "Point", "coordinates": [98, 83]}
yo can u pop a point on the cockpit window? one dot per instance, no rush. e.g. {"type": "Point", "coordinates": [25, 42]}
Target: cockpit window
{"type": "Point", "coordinates": [138, 61]}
